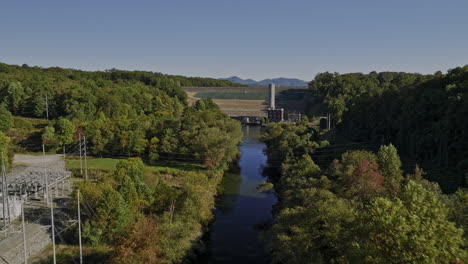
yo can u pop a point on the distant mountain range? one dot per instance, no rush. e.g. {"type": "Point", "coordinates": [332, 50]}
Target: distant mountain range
{"type": "Point", "coordinates": [278, 81]}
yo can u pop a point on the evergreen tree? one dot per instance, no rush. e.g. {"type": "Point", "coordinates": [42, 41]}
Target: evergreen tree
{"type": "Point", "coordinates": [390, 166]}
{"type": "Point", "coordinates": [6, 119]}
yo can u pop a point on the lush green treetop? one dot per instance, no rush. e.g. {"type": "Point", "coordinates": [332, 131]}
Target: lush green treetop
{"type": "Point", "coordinates": [6, 119]}
{"type": "Point", "coordinates": [424, 116]}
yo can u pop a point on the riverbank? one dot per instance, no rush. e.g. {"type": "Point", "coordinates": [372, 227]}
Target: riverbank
{"type": "Point", "coordinates": [241, 210]}
{"type": "Point", "coordinates": [178, 207]}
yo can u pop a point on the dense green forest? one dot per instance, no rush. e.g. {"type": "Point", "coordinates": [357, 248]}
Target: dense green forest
{"type": "Point", "coordinates": [121, 113]}
{"type": "Point", "coordinates": [355, 205]}
{"type": "Point", "coordinates": [355, 202]}
{"type": "Point", "coordinates": [131, 214]}
{"type": "Point", "coordinates": [361, 208]}
{"type": "Point", "coordinates": [146, 217]}
{"type": "Point", "coordinates": [424, 116]}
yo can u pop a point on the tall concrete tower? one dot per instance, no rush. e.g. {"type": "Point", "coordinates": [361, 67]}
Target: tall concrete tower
{"type": "Point", "coordinates": [271, 93]}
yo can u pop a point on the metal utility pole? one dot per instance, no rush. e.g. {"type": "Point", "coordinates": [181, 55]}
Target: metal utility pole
{"type": "Point", "coordinates": [3, 196]}
{"type": "Point", "coordinates": [47, 107]}
{"type": "Point", "coordinates": [79, 228]}
{"type": "Point", "coordinates": [46, 178]}
{"type": "Point", "coordinates": [24, 235]}
{"type": "Point", "coordinates": [81, 162]}
{"type": "Point", "coordinates": [85, 159]}
{"type": "Point", "coordinates": [7, 198]}
{"type": "Point", "coordinates": [53, 229]}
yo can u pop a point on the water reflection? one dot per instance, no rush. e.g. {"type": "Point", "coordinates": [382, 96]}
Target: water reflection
{"type": "Point", "coordinates": [242, 211]}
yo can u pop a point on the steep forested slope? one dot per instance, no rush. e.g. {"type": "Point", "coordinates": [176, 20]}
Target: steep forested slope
{"type": "Point", "coordinates": [423, 115]}
{"type": "Point", "coordinates": [360, 208]}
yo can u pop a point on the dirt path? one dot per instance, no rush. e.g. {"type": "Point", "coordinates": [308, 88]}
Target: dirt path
{"type": "Point", "coordinates": [29, 163]}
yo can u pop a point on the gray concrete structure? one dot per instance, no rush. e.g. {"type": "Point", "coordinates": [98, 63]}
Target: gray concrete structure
{"type": "Point", "coordinates": [276, 115]}
{"type": "Point", "coordinates": [12, 249]}
{"type": "Point", "coordinates": [27, 185]}
{"type": "Point", "coordinates": [14, 210]}
{"type": "Point", "coordinates": [294, 117]}
{"type": "Point", "coordinates": [271, 96]}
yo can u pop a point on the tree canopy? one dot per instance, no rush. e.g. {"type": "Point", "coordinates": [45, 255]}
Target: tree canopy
{"type": "Point", "coordinates": [360, 209]}
{"type": "Point", "coordinates": [120, 113]}
{"type": "Point", "coordinates": [424, 116]}
{"type": "Point", "coordinates": [6, 119]}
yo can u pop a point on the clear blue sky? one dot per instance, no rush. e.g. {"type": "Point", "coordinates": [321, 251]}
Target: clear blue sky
{"type": "Point", "coordinates": [248, 38]}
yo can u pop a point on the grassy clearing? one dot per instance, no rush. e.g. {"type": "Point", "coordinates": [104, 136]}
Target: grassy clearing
{"type": "Point", "coordinates": [232, 95]}
{"type": "Point", "coordinates": [242, 107]}
{"type": "Point", "coordinates": [172, 166]}
{"type": "Point", "coordinates": [71, 254]}
{"type": "Point", "coordinates": [96, 164]}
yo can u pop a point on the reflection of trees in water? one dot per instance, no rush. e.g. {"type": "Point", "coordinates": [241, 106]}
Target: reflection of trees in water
{"type": "Point", "coordinates": [262, 228]}
{"type": "Point", "coordinates": [271, 171]}
{"type": "Point", "coordinates": [239, 206]}
{"type": "Point", "coordinates": [264, 225]}
{"type": "Point", "coordinates": [229, 190]}
{"type": "Point", "coordinates": [251, 134]}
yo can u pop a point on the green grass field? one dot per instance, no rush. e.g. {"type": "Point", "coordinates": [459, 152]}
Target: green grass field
{"type": "Point", "coordinates": [110, 164]}
{"type": "Point", "coordinates": [95, 164]}
{"type": "Point", "coordinates": [232, 95]}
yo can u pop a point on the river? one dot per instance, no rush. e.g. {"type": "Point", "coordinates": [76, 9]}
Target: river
{"type": "Point", "coordinates": [241, 210]}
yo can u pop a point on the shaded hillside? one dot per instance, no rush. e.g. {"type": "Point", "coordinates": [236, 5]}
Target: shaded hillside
{"type": "Point", "coordinates": [423, 115]}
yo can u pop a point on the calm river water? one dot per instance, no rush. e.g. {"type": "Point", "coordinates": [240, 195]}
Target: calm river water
{"type": "Point", "coordinates": [241, 210]}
